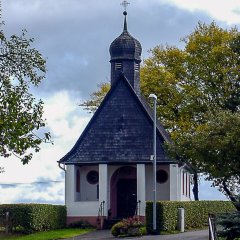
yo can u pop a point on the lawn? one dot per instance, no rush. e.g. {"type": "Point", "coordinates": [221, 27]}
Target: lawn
{"type": "Point", "coordinates": [49, 235]}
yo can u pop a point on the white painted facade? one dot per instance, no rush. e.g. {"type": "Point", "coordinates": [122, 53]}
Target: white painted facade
{"type": "Point", "coordinates": [86, 202]}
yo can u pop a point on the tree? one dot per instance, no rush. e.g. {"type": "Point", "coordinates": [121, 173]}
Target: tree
{"type": "Point", "coordinates": [190, 83]}
{"type": "Point", "coordinates": [194, 83]}
{"type": "Point", "coordinates": [96, 98]}
{"type": "Point", "coordinates": [21, 115]}
{"type": "Point", "coordinates": [214, 148]}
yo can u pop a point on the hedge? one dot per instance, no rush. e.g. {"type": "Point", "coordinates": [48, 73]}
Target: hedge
{"type": "Point", "coordinates": [196, 213]}
{"type": "Point", "coordinates": [34, 217]}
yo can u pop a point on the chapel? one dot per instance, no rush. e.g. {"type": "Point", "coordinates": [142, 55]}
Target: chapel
{"type": "Point", "coordinates": [109, 172]}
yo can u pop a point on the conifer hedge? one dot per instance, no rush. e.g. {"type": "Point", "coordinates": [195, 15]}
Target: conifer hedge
{"type": "Point", "coordinates": [196, 213]}
{"type": "Point", "coordinates": [29, 218]}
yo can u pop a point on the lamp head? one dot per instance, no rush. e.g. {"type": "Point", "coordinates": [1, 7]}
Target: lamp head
{"type": "Point", "coordinates": [153, 96]}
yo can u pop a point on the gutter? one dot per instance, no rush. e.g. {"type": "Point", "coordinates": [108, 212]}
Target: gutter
{"type": "Point", "coordinates": [63, 168]}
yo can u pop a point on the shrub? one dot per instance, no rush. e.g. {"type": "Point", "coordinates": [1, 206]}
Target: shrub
{"type": "Point", "coordinates": [80, 224]}
{"type": "Point", "coordinates": [196, 213]}
{"type": "Point", "coordinates": [128, 227]}
{"type": "Point", "coordinates": [228, 225]}
{"type": "Point", "coordinates": [35, 217]}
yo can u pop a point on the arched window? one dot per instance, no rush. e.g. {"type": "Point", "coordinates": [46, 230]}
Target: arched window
{"type": "Point", "coordinates": [78, 181]}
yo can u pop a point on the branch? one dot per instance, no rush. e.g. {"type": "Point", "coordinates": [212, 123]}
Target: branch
{"type": "Point", "coordinates": [232, 197]}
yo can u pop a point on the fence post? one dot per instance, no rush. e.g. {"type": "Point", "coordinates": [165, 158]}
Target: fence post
{"type": "Point", "coordinates": [212, 227]}
{"type": "Point", "coordinates": [181, 220]}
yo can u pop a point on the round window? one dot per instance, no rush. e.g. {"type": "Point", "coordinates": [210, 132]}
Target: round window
{"type": "Point", "coordinates": [162, 176]}
{"type": "Point", "coordinates": [92, 177]}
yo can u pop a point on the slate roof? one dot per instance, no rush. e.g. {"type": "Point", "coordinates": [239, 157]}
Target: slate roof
{"type": "Point", "coordinates": [120, 131]}
{"type": "Point", "coordinates": [125, 46]}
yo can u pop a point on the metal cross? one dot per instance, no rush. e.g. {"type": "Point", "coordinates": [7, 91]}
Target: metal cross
{"type": "Point", "coordinates": [125, 3]}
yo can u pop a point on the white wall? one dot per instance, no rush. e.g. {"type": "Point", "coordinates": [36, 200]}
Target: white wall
{"type": "Point", "coordinates": [103, 186]}
{"type": "Point", "coordinates": [184, 185]}
{"type": "Point", "coordinates": [141, 191]}
{"type": "Point", "coordinates": [85, 209]}
{"type": "Point", "coordinates": [88, 192]}
{"type": "Point", "coordinates": [87, 204]}
{"type": "Point", "coordinates": [174, 179]}
{"type": "Point", "coordinates": [79, 208]}
{"type": "Point", "coordinates": [69, 185]}
{"type": "Point", "coordinates": [163, 191]}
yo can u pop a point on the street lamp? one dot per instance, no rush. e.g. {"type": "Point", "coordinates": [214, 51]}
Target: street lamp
{"type": "Point", "coordinates": [154, 97]}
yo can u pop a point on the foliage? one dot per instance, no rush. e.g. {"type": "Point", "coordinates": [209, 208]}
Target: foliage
{"type": "Point", "coordinates": [193, 84]}
{"type": "Point", "coordinates": [28, 218]}
{"type": "Point", "coordinates": [128, 227]}
{"type": "Point", "coordinates": [22, 67]}
{"type": "Point", "coordinates": [216, 147]}
{"type": "Point", "coordinates": [230, 225]}
{"type": "Point", "coordinates": [196, 213]}
{"type": "Point", "coordinates": [48, 235]}
{"type": "Point", "coordinates": [96, 98]}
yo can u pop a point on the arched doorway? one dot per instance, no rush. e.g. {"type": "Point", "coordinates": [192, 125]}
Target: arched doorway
{"type": "Point", "coordinates": [124, 192]}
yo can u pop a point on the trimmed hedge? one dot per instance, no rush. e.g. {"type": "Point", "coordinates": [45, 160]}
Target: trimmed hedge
{"type": "Point", "coordinates": [196, 213]}
{"type": "Point", "coordinates": [35, 217]}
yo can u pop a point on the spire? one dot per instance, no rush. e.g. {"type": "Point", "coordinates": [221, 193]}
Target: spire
{"type": "Point", "coordinates": [125, 3]}
{"type": "Point", "coordinates": [125, 21]}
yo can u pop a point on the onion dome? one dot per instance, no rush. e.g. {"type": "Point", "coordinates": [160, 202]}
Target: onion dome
{"type": "Point", "coordinates": [125, 47]}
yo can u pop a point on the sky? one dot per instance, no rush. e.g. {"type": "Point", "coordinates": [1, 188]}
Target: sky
{"type": "Point", "coordinates": [74, 37]}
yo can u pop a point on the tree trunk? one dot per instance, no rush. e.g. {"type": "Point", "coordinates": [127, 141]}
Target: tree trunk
{"type": "Point", "coordinates": [235, 200]}
{"type": "Point", "coordinates": [195, 186]}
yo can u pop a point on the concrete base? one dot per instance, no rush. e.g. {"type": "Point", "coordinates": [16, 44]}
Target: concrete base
{"type": "Point", "coordinates": [93, 220]}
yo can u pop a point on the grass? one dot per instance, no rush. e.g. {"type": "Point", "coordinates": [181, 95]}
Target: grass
{"type": "Point", "coordinates": [49, 235]}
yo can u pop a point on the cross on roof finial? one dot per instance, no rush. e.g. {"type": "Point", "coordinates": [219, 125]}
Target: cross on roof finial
{"type": "Point", "coordinates": [125, 3]}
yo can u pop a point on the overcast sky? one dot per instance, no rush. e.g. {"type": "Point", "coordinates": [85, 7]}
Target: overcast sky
{"type": "Point", "coordinates": [74, 36]}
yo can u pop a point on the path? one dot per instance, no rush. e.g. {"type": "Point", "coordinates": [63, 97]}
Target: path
{"type": "Point", "coordinates": [105, 234]}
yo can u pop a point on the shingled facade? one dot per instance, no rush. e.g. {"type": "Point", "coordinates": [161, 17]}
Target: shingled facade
{"type": "Point", "coordinates": [110, 163]}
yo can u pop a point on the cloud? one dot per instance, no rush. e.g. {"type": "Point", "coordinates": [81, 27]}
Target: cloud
{"type": "Point", "coordinates": [76, 44]}
{"type": "Point", "coordinates": [227, 11]}
{"type": "Point", "coordinates": [42, 180]}
{"type": "Point", "coordinates": [74, 36]}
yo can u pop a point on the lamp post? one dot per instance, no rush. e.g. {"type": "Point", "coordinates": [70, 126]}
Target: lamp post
{"type": "Point", "coordinates": [154, 97]}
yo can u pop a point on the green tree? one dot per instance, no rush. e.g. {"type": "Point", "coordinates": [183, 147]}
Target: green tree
{"type": "Point", "coordinates": [96, 98]}
{"type": "Point", "coordinates": [194, 83]}
{"type": "Point", "coordinates": [21, 115]}
{"type": "Point", "coordinates": [214, 148]}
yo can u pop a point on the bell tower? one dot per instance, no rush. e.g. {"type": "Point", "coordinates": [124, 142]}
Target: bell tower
{"type": "Point", "coordinates": [125, 52]}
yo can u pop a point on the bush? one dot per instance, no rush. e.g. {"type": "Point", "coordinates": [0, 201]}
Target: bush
{"type": "Point", "coordinates": [29, 218]}
{"type": "Point", "coordinates": [128, 227]}
{"type": "Point", "coordinates": [196, 213]}
{"type": "Point", "coordinates": [80, 224]}
{"type": "Point", "coordinates": [228, 225]}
